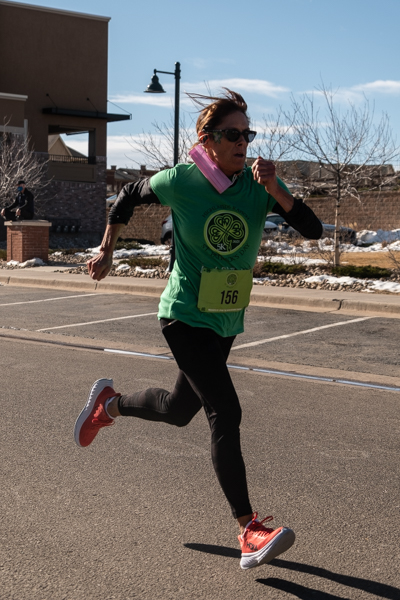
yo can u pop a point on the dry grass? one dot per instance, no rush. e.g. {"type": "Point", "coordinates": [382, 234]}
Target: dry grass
{"type": "Point", "coordinates": [360, 259]}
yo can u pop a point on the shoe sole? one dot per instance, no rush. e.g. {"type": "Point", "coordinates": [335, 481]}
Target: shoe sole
{"type": "Point", "coordinates": [95, 390]}
{"type": "Point", "coordinates": [279, 544]}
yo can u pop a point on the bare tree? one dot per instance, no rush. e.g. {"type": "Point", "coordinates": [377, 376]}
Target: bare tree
{"type": "Point", "coordinates": [19, 162]}
{"type": "Point", "coordinates": [157, 148]}
{"type": "Point", "coordinates": [273, 141]}
{"type": "Point", "coordinates": [344, 152]}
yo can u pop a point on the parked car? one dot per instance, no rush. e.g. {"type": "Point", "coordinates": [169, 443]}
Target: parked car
{"type": "Point", "coordinates": [110, 201]}
{"type": "Point", "coordinates": [276, 224]}
{"type": "Point", "coordinates": [166, 231]}
{"type": "Point", "coordinates": [346, 234]}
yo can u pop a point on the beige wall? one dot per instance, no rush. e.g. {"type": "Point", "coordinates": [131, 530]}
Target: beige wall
{"type": "Point", "coordinates": [62, 54]}
{"type": "Point", "coordinates": [374, 211]}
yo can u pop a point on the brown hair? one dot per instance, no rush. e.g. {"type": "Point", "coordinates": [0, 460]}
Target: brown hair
{"type": "Point", "coordinates": [221, 106]}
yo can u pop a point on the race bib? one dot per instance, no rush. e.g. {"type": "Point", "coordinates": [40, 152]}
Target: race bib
{"type": "Point", "coordinates": [224, 290]}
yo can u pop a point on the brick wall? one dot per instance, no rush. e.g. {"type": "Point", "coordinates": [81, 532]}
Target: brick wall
{"type": "Point", "coordinates": [27, 241]}
{"type": "Point", "coordinates": [374, 211]}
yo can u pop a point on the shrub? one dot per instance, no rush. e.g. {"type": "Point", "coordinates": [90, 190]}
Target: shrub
{"type": "Point", "coordinates": [3, 254]}
{"type": "Point", "coordinates": [262, 269]}
{"type": "Point", "coordinates": [366, 272]}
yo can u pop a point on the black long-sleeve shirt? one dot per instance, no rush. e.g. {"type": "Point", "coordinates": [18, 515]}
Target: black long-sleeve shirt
{"type": "Point", "coordinates": [300, 217]}
{"type": "Point", "coordinates": [23, 200]}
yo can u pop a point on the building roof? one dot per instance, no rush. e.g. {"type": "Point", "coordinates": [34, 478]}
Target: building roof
{"type": "Point", "coordinates": [56, 10]}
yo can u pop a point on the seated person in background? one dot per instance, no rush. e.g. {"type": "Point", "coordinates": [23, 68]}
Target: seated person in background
{"type": "Point", "coordinates": [22, 208]}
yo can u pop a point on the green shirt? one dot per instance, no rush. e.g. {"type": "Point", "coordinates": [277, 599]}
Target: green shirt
{"type": "Point", "coordinates": [211, 230]}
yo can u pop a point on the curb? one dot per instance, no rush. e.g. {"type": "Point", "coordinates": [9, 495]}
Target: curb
{"type": "Point", "coordinates": [289, 298]}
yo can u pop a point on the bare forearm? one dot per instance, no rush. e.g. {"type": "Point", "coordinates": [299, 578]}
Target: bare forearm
{"type": "Point", "coordinates": [100, 266]}
{"type": "Point", "coordinates": [110, 238]}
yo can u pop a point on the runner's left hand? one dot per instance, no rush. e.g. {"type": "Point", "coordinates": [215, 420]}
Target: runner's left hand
{"type": "Point", "coordinates": [264, 172]}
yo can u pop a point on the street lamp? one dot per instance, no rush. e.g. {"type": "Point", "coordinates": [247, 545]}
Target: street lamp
{"type": "Point", "coordinates": [155, 87]}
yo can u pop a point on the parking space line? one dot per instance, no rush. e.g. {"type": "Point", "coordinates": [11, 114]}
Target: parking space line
{"type": "Point", "coordinates": [51, 299]}
{"type": "Point", "coordinates": [289, 335]}
{"type": "Point", "coordinates": [276, 372]}
{"type": "Point", "coordinates": [95, 322]}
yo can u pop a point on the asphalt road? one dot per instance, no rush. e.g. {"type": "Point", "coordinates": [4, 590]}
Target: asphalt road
{"type": "Point", "coordinates": [139, 514]}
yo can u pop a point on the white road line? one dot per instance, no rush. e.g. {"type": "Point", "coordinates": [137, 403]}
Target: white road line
{"type": "Point", "coordinates": [51, 299]}
{"type": "Point", "coordinates": [95, 322]}
{"type": "Point", "coordinates": [289, 335]}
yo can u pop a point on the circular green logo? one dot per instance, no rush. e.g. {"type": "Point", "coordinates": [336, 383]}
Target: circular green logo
{"type": "Point", "coordinates": [231, 279]}
{"type": "Point", "coordinates": [225, 232]}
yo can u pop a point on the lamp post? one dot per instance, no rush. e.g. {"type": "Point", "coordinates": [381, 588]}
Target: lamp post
{"type": "Point", "coordinates": [155, 87]}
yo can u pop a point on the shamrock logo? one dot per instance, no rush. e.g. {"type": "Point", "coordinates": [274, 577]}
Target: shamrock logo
{"type": "Point", "coordinates": [225, 232]}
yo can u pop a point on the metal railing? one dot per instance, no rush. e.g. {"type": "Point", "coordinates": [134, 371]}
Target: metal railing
{"type": "Point", "coordinates": [89, 160]}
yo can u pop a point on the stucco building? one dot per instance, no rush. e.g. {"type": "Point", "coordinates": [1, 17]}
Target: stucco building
{"type": "Point", "coordinates": [53, 81]}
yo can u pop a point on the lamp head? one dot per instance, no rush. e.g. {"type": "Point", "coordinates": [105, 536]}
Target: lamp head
{"type": "Point", "coordinates": [155, 86]}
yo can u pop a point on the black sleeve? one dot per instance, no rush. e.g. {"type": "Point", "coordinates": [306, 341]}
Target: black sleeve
{"type": "Point", "coordinates": [133, 194]}
{"type": "Point", "coordinates": [301, 218]}
{"type": "Point", "coordinates": [28, 201]}
{"type": "Point", "coordinates": [13, 205]}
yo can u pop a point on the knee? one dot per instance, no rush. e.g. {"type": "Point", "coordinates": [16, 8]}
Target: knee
{"type": "Point", "coordinates": [228, 420]}
{"type": "Point", "coordinates": [181, 416]}
{"type": "Point", "coordinates": [182, 420]}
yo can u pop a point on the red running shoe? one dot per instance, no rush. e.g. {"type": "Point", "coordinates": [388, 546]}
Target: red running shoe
{"type": "Point", "coordinates": [93, 416]}
{"type": "Point", "coordinates": [261, 544]}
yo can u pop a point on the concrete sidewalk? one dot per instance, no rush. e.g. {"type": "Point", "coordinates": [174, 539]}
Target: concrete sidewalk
{"type": "Point", "coordinates": [279, 297]}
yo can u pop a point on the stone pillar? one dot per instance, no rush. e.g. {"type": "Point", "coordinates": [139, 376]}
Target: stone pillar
{"type": "Point", "coordinates": [27, 239]}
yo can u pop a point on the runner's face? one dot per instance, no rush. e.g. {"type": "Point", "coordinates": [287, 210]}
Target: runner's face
{"type": "Point", "coordinates": [229, 156]}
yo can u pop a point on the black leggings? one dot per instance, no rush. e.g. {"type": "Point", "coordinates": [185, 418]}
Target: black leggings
{"type": "Point", "coordinates": [10, 214]}
{"type": "Point", "coordinates": [203, 381]}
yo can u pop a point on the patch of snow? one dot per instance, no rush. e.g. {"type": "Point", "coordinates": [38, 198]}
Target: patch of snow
{"type": "Point", "coordinates": [385, 286]}
{"type": "Point", "coordinates": [145, 250]}
{"type": "Point", "coordinates": [123, 268]}
{"type": "Point", "coordinates": [330, 279]}
{"type": "Point", "coordinates": [371, 237]}
{"type": "Point", "coordinates": [33, 262]}
{"type": "Point", "coordinates": [140, 270]}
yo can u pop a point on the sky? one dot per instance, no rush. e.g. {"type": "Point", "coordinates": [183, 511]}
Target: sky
{"type": "Point", "coordinates": [269, 51]}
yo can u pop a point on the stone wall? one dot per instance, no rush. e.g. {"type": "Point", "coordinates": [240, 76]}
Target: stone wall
{"type": "Point", "coordinates": [374, 211]}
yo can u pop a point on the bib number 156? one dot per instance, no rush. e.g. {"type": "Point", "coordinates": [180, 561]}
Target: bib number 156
{"type": "Point", "coordinates": [229, 297]}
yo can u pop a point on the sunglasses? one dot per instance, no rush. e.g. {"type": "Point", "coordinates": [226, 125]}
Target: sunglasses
{"type": "Point", "coordinates": [232, 135]}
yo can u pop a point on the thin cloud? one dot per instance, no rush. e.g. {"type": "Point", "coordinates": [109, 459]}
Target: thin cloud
{"type": "Point", "coordinates": [152, 99]}
{"type": "Point", "coordinates": [380, 86]}
{"type": "Point", "coordinates": [202, 63]}
{"type": "Point", "coordinates": [253, 86]}
{"type": "Point", "coordinates": [356, 93]}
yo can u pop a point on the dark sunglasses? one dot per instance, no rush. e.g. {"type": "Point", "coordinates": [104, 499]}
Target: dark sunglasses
{"type": "Point", "coordinates": [232, 135]}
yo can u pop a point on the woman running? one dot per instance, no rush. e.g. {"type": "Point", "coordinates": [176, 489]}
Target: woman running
{"type": "Point", "coordinates": [218, 210]}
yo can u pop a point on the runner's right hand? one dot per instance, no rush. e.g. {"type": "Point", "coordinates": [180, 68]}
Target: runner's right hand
{"type": "Point", "coordinates": [100, 266]}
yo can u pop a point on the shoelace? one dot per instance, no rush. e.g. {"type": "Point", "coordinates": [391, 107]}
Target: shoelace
{"type": "Point", "coordinates": [258, 525]}
{"type": "Point", "coordinates": [100, 417]}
